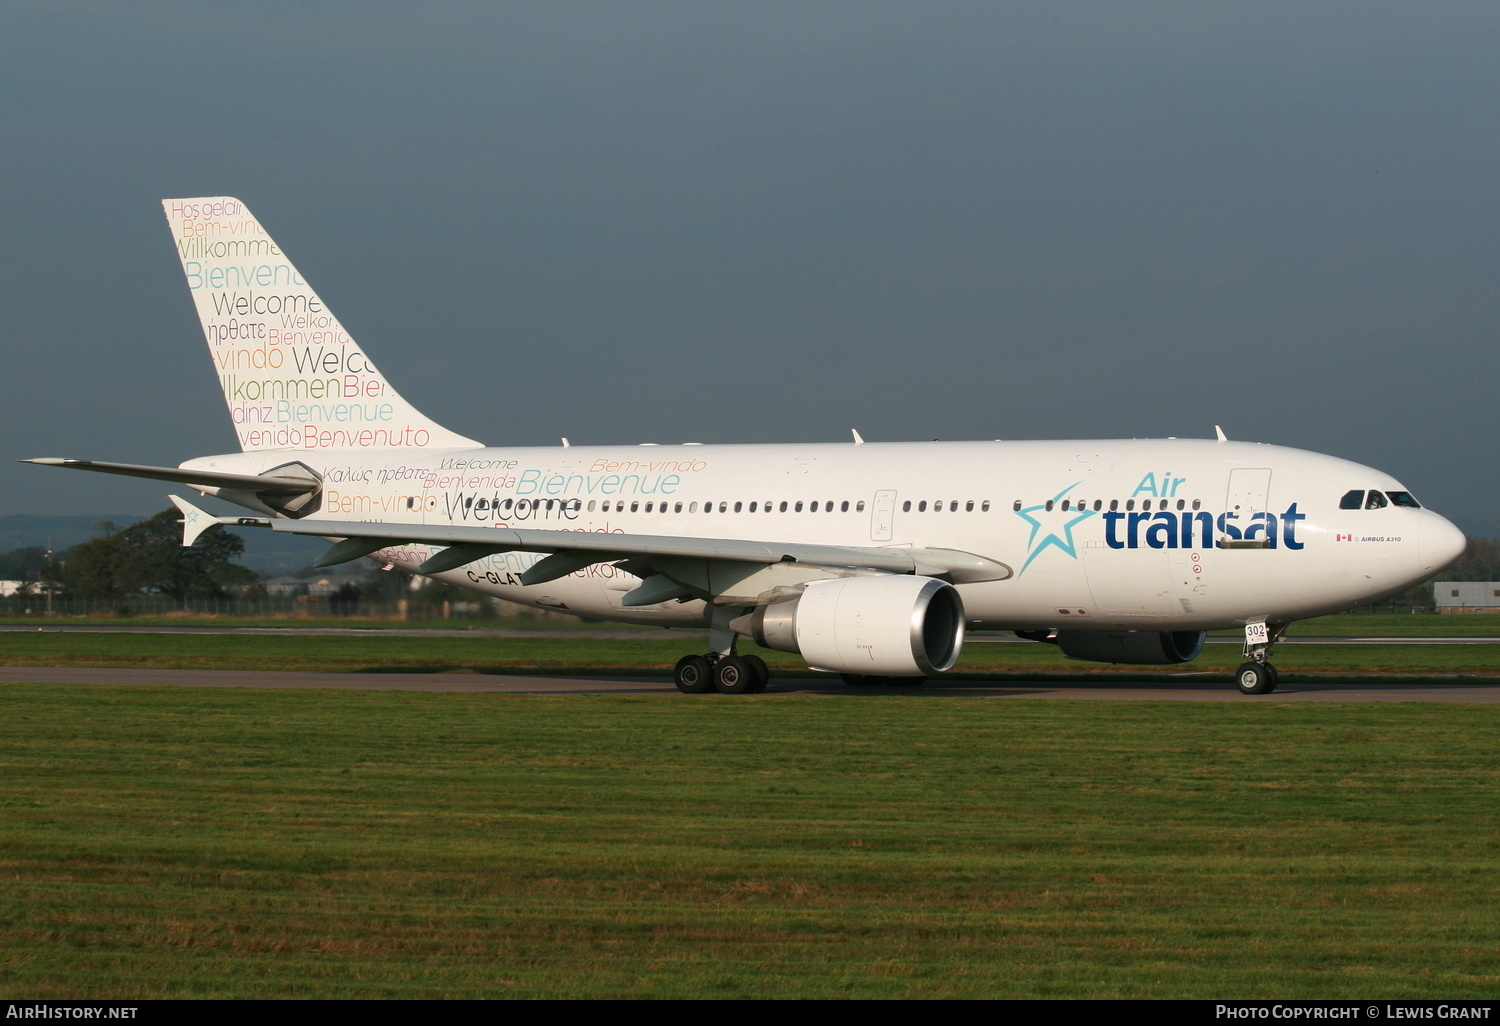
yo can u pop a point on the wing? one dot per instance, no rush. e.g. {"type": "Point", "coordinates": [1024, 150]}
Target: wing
{"type": "Point", "coordinates": [689, 567]}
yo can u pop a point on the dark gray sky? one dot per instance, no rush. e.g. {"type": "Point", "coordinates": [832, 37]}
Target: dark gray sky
{"type": "Point", "coordinates": [764, 221]}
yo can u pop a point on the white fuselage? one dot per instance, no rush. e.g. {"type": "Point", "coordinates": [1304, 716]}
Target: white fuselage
{"type": "Point", "coordinates": [1164, 534]}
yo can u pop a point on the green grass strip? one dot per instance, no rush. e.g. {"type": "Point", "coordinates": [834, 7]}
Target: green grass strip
{"type": "Point", "coordinates": [179, 842]}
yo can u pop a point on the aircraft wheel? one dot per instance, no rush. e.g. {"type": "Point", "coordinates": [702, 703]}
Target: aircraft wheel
{"type": "Point", "coordinates": [734, 676]}
{"type": "Point", "coordinates": [693, 675]}
{"type": "Point", "coordinates": [762, 672]}
{"type": "Point", "coordinates": [1256, 679]}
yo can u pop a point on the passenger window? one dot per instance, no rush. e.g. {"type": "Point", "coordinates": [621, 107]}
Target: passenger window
{"type": "Point", "coordinates": [737, 506]}
{"type": "Point", "coordinates": [844, 506]}
{"type": "Point", "coordinates": [969, 506]}
{"type": "Point", "coordinates": [635, 507]}
{"type": "Point", "coordinates": [985, 506]}
{"type": "Point", "coordinates": [859, 507]}
{"type": "Point", "coordinates": [1049, 505]}
{"type": "Point", "coordinates": [1130, 504]}
{"type": "Point", "coordinates": [1353, 500]}
{"type": "Point", "coordinates": [922, 506]}
{"type": "Point", "coordinates": [1098, 504]}
{"type": "Point", "coordinates": [1406, 499]}
{"type": "Point", "coordinates": [799, 506]}
{"type": "Point", "coordinates": [1114, 504]}
{"type": "Point", "coordinates": [783, 505]}
{"type": "Point", "coordinates": [1016, 506]}
{"type": "Point", "coordinates": [752, 507]}
{"type": "Point", "coordinates": [1375, 501]}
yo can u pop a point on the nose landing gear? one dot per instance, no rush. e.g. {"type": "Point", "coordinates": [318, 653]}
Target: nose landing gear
{"type": "Point", "coordinates": [1259, 677]}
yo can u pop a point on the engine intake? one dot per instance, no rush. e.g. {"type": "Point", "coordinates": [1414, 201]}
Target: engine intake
{"type": "Point", "coordinates": [1145, 648]}
{"type": "Point", "coordinates": [886, 626]}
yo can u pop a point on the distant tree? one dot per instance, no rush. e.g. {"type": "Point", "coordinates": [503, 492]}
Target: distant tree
{"type": "Point", "coordinates": [25, 564]}
{"type": "Point", "coordinates": [1480, 562]}
{"type": "Point", "coordinates": [148, 558]}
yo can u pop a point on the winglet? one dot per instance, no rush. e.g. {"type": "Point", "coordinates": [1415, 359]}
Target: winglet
{"type": "Point", "coordinates": [857, 439]}
{"type": "Point", "coordinates": [1220, 432]}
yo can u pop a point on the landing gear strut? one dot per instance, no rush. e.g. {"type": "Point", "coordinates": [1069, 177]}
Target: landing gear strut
{"type": "Point", "coordinates": [1259, 677]}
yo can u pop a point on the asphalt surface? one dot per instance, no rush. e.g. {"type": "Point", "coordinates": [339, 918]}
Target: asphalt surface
{"type": "Point", "coordinates": [1186, 687]}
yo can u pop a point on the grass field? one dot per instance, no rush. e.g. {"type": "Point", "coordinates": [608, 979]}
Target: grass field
{"type": "Point", "coordinates": [183, 842]}
{"type": "Point", "coordinates": [165, 842]}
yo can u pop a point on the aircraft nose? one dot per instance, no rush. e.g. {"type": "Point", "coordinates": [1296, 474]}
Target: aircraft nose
{"type": "Point", "coordinates": [1439, 543]}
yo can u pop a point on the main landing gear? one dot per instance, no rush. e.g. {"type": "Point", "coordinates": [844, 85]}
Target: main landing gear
{"type": "Point", "coordinates": [721, 670]}
{"type": "Point", "coordinates": [1259, 677]}
{"type": "Point", "coordinates": [727, 674]}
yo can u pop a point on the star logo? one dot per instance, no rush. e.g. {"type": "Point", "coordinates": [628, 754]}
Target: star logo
{"type": "Point", "coordinates": [1057, 536]}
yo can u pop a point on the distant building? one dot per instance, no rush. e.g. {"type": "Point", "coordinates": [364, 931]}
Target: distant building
{"type": "Point", "coordinates": [1466, 596]}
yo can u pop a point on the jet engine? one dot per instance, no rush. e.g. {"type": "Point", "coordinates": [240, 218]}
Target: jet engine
{"type": "Point", "coordinates": [885, 626]}
{"type": "Point", "coordinates": [1147, 648]}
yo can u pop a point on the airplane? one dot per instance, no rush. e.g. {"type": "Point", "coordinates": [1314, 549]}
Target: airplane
{"type": "Point", "coordinates": [870, 560]}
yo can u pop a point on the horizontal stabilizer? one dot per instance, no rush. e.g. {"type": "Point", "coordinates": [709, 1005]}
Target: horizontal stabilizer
{"type": "Point", "coordinates": [267, 485]}
{"type": "Point", "coordinates": [195, 521]}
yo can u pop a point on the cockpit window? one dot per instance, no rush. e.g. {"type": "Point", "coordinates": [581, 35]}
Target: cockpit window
{"type": "Point", "coordinates": [1375, 501]}
{"type": "Point", "coordinates": [1353, 500]}
{"type": "Point", "coordinates": [1406, 499]}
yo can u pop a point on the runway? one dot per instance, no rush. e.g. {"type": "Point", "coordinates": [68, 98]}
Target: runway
{"type": "Point", "coordinates": [1186, 687]}
{"type": "Point", "coordinates": [628, 633]}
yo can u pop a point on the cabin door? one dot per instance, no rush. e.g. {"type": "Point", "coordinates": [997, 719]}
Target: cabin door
{"type": "Point", "coordinates": [883, 516]}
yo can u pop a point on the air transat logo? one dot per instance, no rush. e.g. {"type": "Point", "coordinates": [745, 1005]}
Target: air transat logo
{"type": "Point", "coordinates": [1058, 535]}
{"type": "Point", "coordinates": [1052, 524]}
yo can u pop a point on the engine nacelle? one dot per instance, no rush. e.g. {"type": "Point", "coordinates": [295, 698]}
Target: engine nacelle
{"type": "Point", "coordinates": [1146, 648]}
{"type": "Point", "coordinates": [885, 626]}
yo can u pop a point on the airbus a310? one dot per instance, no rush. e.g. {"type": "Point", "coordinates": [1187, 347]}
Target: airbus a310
{"type": "Point", "coordinates": [870, 560]}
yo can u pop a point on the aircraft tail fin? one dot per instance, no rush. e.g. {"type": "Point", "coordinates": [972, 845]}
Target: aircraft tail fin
{"type": "Point", "coordinates": [292, 377]}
